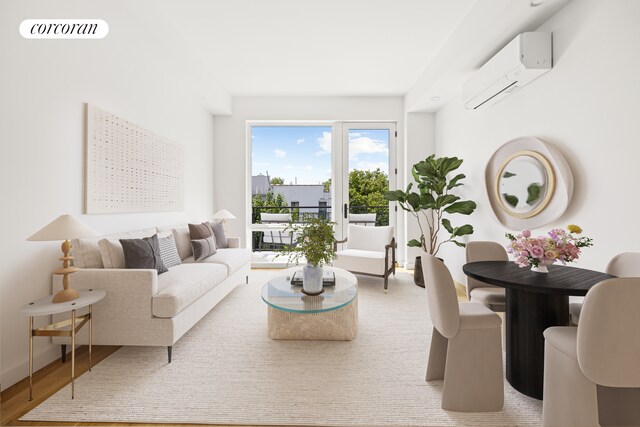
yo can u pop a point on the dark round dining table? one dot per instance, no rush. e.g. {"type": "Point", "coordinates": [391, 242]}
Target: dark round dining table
{"type": "Point", "coordinates": [534, 302]}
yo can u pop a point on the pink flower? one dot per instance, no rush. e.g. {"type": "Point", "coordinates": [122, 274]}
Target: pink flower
{"type": "Point", "coordinates": [537, 251]}
{"type": "Point", "coordinates": [526, 233]}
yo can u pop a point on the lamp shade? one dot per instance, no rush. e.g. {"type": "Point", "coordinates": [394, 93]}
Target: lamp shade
{"type": "Point", "coordinates": [223, 214]}
{"type": "Point", "coordinates": [65, 227]}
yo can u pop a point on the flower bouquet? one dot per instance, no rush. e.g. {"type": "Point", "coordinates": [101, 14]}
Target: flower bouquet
{"type": "Point", "coordinates": [542, 251]}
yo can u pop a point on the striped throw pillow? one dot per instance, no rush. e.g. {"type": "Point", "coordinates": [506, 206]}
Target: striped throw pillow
{"type": "Point", "coordinates": [169, 251]}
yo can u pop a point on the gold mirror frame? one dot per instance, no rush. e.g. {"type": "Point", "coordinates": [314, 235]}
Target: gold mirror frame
{"type": "Point", "coordinates": [551, 185]}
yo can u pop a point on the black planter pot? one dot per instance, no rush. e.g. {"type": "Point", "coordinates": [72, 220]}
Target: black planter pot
{"type": "Point", "coordinates": [418, 277]}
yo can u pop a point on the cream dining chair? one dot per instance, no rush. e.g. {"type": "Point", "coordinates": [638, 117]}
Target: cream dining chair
{"type": "Point", "coordinates": [592, 372]}
{"type": "Point", "coordinates": [488, 295]}
{"type": "Point", "coordinates": [466, 349]}
{"type": "Point", "coordinates": [626, 264]}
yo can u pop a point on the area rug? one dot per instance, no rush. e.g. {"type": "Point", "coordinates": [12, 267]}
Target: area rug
{"type": "Point", "coordinates": [227, 370]}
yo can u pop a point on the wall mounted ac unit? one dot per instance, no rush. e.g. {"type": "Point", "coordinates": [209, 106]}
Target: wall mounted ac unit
{"type": "Point", "coordinates": [523, 60]}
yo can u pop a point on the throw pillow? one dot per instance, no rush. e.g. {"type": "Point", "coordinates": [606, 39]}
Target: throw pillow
{"type": "Point", "coordinates": [200, 231]}
{"type": "Point", "coordinates": [203, 248]}
{"type": "Point", "coordinates": [220, 235]}
{"type": "Point", "coordinates": [183, 242]}
{"type": "Point", "coordinates": [112, 255]}
{"type": "Point", "coordinates": [169, 251]}
{"type": "Point", "coordinates": [143, 253]}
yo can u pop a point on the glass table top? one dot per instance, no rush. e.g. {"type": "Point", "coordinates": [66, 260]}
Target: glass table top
{"type": "Point", "coordinates": [280, 294]}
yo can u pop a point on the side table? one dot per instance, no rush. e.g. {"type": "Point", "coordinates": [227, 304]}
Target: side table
{"type": "Point", "coordinates": [44, 307]}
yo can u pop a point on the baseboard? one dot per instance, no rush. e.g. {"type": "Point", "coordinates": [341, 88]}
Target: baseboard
{"type": "Point", "coordinates": [21, 370]}
{"type": "Point", "coordinates": [460, 287]}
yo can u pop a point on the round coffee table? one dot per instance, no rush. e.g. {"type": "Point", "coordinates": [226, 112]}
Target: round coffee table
{"type": "Point", "coordinates": [293, 315]}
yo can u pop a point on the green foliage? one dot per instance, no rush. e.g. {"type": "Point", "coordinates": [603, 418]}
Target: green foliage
{"type": "Point", "coordinates": [327, 185]}
{"type": "Point", "coordinates": [508, 174]}
{"type": "Point", "coordinates": [276, 201]}
{"type": "Point", "coordinates": [533, 193]}
{"type": "Point", "coordinates": [433, 200]}
{"type": "Point", "coordinates": [511, 199]}
{"type": "Point", "coordinates": [276, 180]}
{"type": "Point", "coordinates": [258, 203]}
{"type": "Point", "coordinates": [367, 188]}
{"type": "Point", "coordinates": [314, 240]}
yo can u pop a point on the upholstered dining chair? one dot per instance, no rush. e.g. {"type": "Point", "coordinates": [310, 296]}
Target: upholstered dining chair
{"type": "Point", "coordinates": [592, 372]}
{"type": "Point", "coordinates": [466, 350]}
{"type": "Point", "coordinates": [368, 250]}
{"type": "Point", "coordinates": [626, 264]}
{"type": "Point", "coordinates": [488, 295]}
{"type": "Point", "coordinates": [276, 239]}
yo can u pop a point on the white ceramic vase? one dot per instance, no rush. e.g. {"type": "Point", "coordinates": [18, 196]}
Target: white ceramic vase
{"type": "Point", "coordinates": [542, 268]}
{"type": "Point", "coordinates": [312, 279]}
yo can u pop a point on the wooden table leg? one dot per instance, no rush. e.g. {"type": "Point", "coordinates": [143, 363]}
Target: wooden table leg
{"type": "Point", "coordinates": [73, 352]}
{"type": "Point", "coordinates": [528, 314]}
{"type": "Point", "coordinates": [30, 358]}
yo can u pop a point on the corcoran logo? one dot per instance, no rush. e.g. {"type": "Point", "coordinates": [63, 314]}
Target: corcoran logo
{"type": "Point", "coordinates": [64, 29]}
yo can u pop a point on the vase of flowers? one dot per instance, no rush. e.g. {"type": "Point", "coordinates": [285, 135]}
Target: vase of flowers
{"type": "Point", "coordinates": [313, 240]}
{"type": "Point", "coordinates": [542, 251]}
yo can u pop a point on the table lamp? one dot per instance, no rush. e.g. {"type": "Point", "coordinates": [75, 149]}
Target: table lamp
{"type": "Point", "coordinates": [65, 227]}
{"type": "Point", "coordinates": [223, 215]}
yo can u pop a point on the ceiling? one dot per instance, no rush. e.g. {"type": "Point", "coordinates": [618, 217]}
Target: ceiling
{"type": "Point", "coordinates": [420, 49]}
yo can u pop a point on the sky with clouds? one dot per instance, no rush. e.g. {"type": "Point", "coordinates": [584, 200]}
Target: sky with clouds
{"type": "Point", "coordinates": [304, 152]}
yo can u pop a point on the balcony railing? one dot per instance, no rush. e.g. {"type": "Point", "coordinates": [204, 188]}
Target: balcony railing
{"type": "Point", "coordinates": [275, 239]}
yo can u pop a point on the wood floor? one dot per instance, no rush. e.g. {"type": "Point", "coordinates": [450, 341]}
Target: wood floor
{"type": "Point", "coordinates": [14, 401]}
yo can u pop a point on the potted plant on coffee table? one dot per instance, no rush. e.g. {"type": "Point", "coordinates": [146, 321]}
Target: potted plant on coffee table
{"type": "Point", "coordinates": [430, 205]}
{"type": "Point", "coordinates": [313, 240]}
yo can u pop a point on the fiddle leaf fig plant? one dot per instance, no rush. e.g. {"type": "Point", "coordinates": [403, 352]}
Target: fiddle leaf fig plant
{"type": "Point", "coordinates": [433, 200]}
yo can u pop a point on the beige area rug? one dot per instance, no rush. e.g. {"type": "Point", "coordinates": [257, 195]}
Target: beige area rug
{"type": "Point", "coordinates": [227, 370]}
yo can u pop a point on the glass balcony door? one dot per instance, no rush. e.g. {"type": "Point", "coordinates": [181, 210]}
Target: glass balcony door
{"type": "Point", "coordinates": [367, 168]}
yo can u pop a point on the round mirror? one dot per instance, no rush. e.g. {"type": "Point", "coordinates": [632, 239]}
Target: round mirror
{"type": "Point", "coordinates": [524, 184]}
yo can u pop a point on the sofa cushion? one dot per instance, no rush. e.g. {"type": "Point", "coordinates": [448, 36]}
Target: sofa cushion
{"type": "Point", "coordinates": [87, 252]}
{"type": "Point", "coordinates": [358, 260]}
{"type": "Point", "coordinates": [169, 251]}
{"type": "Point", "coordinates": [231, 258]}
{"type": "Point", "coordinates": [200, 231]}
{"type": "Point", "coordinates": [220, 235]}
{"type": "Point", "coordinates": [203, 248]}
{"type": "Point", "coordinates": [112, 253]}
{"type": "Point", "coordinates": [143, 253]}
{"type": "Point", "coordinates": [184, 284]}
{"type": "Point", "coordinates": [183, 242]}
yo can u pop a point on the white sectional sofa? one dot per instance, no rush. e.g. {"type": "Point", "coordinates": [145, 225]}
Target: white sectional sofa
{"type": "Point", "coordinates": [144, 308]}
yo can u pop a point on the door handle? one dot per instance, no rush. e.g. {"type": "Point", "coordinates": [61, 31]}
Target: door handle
{"type": "Point", "coordinates": [345, 211]}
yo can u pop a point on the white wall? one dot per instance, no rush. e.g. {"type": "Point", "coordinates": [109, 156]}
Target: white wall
{"type": "Point", "coordinates": [43, 85]}
{"type": "Point", "coordinates": [230, 137]}
{"type": "Point", "coordinates": [419, 128]}
{"type": "Point", "coordinates": [587, 106]}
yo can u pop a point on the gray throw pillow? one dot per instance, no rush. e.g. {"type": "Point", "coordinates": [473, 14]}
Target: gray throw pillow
{"type": "Point", "coordinates": [143, 253]}
{"type": "Point", "coordinates": [203, 248]}
{"type": "Point", "coordinates": [169, 251]}
{"type": "Point", "coordinates": [218, 232]}
{"type": "Point", "coordinates": [200, 231]}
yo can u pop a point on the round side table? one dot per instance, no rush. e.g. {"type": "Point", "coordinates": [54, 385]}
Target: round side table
{"type": "Point", "coordinates": [44, 307]}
